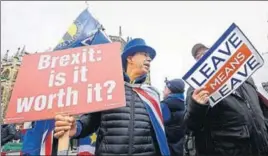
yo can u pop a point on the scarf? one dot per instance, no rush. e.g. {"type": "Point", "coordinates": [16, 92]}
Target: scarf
{"type": "Point", "coordinates": [150, 98]}
{"type": "Point", "coordinates": [177, 96]}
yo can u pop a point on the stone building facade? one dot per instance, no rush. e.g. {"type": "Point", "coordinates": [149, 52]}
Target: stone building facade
{"type": "Point", "coordinates": [9, 69]}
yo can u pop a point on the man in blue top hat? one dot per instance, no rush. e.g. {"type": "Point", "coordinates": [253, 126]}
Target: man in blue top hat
{"type": "Point", "coordinates": [132, 130]}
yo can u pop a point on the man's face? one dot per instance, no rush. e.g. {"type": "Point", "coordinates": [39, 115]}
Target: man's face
{"type": "Point", "coordinates": [166, 92]}
{"type": "Point", "coordinates": [200, 53]}
{"type": "Point", "coordinates": [140, 62]}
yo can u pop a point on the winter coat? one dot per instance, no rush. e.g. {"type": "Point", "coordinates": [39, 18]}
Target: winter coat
{"type": "Point", "coordinates": [173, 109]}
{"type": "Point", "coordinates": [122, 131]}
{"type": "Point", "coordinates": [235, 126]}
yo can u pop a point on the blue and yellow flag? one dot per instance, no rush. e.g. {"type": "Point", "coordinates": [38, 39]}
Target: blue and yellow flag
{"type": "Point", "coordinates": [83, 32]}
{"type": "Point", "coordinates": [87, 145]}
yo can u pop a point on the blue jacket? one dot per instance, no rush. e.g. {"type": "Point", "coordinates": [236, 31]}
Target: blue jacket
{"type": "Point", "coordinates": [173, 109]}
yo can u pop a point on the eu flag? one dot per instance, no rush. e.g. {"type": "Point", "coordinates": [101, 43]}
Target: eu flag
{"type": "Point", "coordinates": [87, 145]}
{"type": "Point", "coordinates": [82, 32]}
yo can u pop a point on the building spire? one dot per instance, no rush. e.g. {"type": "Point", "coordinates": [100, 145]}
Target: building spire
{"type": "Point", "coordinates": [17, 53]}
{"type": "Point", "coordinates": [22, 51]}
{"type": "Point", "coordinates": [120, 31]}
{"type": "Point", "coordinates": [6, 56]}
{"type": "Point", "coordinates": [129, 38]}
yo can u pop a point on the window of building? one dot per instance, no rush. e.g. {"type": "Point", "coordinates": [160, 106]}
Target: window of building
{"type": "Point", "coordinates": [6, 74]}
{"type": "Point", "coordinates": [2, 92]}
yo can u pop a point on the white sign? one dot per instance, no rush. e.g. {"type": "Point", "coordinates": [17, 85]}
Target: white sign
{"type": "Point", "coordinates": [225, 66]}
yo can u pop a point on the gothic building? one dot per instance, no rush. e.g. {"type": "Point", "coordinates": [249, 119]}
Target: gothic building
{"type": "Point", "coordinates": [9, 70]}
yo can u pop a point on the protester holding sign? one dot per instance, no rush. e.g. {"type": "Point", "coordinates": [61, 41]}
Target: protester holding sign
{"type": "Point", "coordinates": [84, 31]}
{"type": "Point", "coordinates": [134, 129]}
{"type": "Point", "coordinates": [235, 126]}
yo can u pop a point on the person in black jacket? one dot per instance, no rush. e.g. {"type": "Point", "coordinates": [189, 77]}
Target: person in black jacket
{"type": "Point", "coordinates": [236, 126]}
{"type": "Point", "coordinates": [122, 131]}
{"type": "Point", "coordinates": [8, 133]}
{"type": "Point", "coordinates": [173, 109]}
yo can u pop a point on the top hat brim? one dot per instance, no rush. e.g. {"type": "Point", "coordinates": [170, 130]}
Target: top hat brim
{"type": "Point", "coordinates": [140, 48]}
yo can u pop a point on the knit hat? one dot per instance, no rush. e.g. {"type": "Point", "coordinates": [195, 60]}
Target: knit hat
{"type": "Point", "coordinates": [175, 85]}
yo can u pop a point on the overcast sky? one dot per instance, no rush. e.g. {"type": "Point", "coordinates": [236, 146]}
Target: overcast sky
{"type": "Point", "coordinates": [172, 28]}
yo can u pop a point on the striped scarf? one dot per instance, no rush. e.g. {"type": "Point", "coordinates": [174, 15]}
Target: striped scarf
{"type": "Point", "coordinates": [151, 99]}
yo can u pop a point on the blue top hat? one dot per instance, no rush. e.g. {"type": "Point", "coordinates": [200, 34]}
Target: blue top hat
{"type": "Point", "coordinates": [134, 46]}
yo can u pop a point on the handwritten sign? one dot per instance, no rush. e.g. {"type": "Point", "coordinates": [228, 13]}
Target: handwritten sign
{"type": "Point", "coordinates": [73, 81]}
{"type": "Point", "coordinates": [225, 66]}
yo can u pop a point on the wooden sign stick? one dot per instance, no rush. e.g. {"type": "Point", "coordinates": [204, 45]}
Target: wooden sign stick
{"type": "Point", "coordinates": [63, 144]}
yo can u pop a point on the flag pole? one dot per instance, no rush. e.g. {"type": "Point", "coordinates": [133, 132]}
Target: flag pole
{"type": "Point", "coordinates": [86, 4]}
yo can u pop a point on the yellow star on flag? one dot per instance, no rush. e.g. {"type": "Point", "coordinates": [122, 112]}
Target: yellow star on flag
{"type": "Point", "coordinates": [93, 138]}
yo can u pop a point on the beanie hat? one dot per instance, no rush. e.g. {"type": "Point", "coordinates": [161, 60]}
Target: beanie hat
{"type": "Point", "coordinates": [175, 85]}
